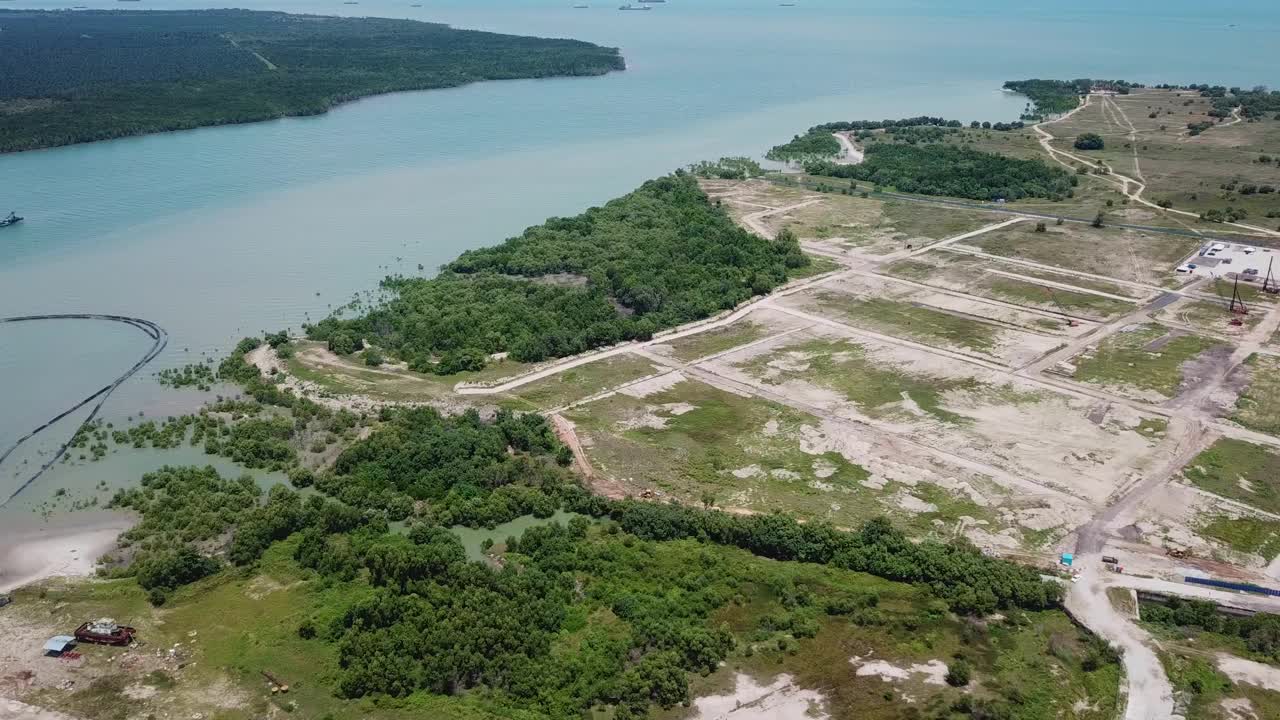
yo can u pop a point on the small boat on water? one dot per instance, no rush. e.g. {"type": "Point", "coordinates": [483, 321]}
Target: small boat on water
{"type": "Point", "coordinates": [635, 7]}
{"type": "Point", "coordinates": [13, 219]}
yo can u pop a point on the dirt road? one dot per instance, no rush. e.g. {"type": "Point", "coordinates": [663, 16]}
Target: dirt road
{"type": "Point", "coordinates": [1149, 694]}
{"type": "Point", "coordinates": [1130, 187]}
{"type": "Point", "coordinates": [852, 154]}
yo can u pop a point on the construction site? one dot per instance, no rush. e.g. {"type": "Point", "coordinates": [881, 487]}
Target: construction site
{"type": "Point", "coordinates": [1096, 397]}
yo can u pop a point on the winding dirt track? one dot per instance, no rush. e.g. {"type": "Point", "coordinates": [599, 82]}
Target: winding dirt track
{"type": "Point", "coordinates": [159, 338]}
{"type": "Point", "coordinates": [1121, 181]}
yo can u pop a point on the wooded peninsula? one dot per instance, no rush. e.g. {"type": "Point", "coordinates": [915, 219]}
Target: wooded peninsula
{"type": "Point", "coordinates": [71, 77]}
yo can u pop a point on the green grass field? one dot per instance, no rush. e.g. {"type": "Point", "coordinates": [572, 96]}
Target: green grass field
{"type": "Point", "coordinates": [1206, 315]}
{"type": "Point", "coordinates": [917, 322]}
{"type": "Point", "coordinates": [1023, 292]}
{"type": "Point", "coordinates": [694, 347]}
{"type": "Point", "coordinates": [690, 439]}
{"type": "Point", "coordinates": [1109, 252]}
{"type": "Point", "coordinates": [1238, 470]}
{"type": "Point", "coordinates": [1246, 534]}
{"type": "Point", "coordinates": [844, 366]}
{"type": "Point", "coordinates": [1258, 407]}
{"type": "Point", "coordinates": [1200, 688]}
{"type": "Point", "coordinates": [1148, 358]}
{"type": "Point", "coordinates": [580, 382]}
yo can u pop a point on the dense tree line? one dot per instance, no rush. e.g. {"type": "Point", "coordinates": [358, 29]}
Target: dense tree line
{"type": "Point", "coordinates": [727, 168]}
{"type": "Point", "coordinates": [661, 256]}
{"type": "Point", "coordinates": [445, 625]}
{"type": "Point", "coordinates": [1260, 632]}
{"type": "Point", "coordinates": [187, 514]}
{"type": "Point", "coordinates": [916, 135]}
{"type": "Point", "coordinates": [467, 470]}
{"type": "Point", "coordinates": [813, 144]}
{"type": "Point", "coordinates": [179, 507]}
{"type": "Point", "coordinates": [1051, 97]}
{"type": "Point", "coordinates": [859, 125]}
{"type": "Point", "coordinates": [953, 171]}
{"type": "Point", "coordinates": [1253, 103]}
{"type": "Point", "coordinates": [96, 75]}
{"type": "Point", "coordinates": [968, 580]}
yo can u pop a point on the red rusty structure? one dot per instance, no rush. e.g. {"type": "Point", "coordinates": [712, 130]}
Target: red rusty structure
{"type": "Point", "coordinates": [105, 632]}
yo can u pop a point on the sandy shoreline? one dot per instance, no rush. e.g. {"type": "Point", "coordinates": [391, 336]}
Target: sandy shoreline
{"type": "Point", "coordinates": [65, 547]}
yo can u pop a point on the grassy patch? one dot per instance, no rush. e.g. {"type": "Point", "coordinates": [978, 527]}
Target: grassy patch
{"type": "Point", "coordinates": [877, 388]}
{"type": "Point", "coordinates": [1110, 252]}
{"type": "Point", "coordinates": [693, 347]}
{"type": "Point", "coordinates": [1203, 314]}
{"type": "Point", "coordinates": [1148, 358]}
{"type": "Point", "coordinates": [950, 507]}
{"type": "Point", "coordinates": [1033, 663]}
{"type": "Point", "coordinates": [1152, 427]}
{"type": "Point", "coordinates": [913, 321]}
{"type": "Point", "coordinates": [910, 269]}
{"type": "Point", "coordinates": [934, 222]}
{"type": "Point", "coordinates": [583, 381]}
{"type": "Point", "coordinates": [872, 225]}
{"type": "Point", "coordinates": [1122, 599]}
{"type": "Point", "coordinates": [1080, 282]}
{"type": "Point", "coordinates": [312, 363]}
{"type": "Point", "coordinates": [1258, 406]}
{"type": "Point", "coordinates": [1246, 534]}
{"type": "Point", "coordinates": [1023, 292]}
{"type": "Point", "coordinates": [1239, 470]}
{"type": "Point", "coordinates": [1199, 684]}
{"type": "Point", "coordinates": [234, 626]}
{"type": "Point", "coordinates": [817, 265]}
{"type": "Point", "coordinates": [697, 442]}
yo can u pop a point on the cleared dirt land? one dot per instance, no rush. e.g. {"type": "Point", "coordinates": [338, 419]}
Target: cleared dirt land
{"type": "Point", "coordinates": [1130, 255]}
{"type": "Point", "coordinates": [840, 223]}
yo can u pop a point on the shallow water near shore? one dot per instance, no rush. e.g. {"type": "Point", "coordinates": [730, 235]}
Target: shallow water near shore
{"type": "Point", "coordinates": [224, 232]}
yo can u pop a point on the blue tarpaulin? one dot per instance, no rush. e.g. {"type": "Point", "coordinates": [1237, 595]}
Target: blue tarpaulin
{"type": "Point", "coordinates": [58, 644]}
{"type": "Point", "coordinates": [1068, 558]}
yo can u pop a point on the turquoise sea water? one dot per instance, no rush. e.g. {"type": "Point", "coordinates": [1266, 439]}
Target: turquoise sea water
{"type": "Point", "coordinates": [222, 232]}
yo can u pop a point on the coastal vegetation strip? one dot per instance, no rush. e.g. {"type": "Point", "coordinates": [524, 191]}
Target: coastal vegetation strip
{"type": "Point", "coordinates": [952, 171]}
{"type": "Point", "coordinates": [100, 74]}
{"type": "Point", "coordinates": [661, 256]}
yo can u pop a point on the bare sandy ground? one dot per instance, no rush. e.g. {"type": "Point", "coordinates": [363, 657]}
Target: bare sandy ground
{"type": "Point", "coordinates": [14, 710]}
{"type": "Point", "coordinates": [69, 547]}
{"type": "Point", "coordinates": [780, 700]}
{"type": "Point", "coordinates": [1248, 671]}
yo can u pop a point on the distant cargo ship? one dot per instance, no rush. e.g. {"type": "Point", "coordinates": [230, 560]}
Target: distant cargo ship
{"type": "Point", "coordinates": [635, 7]}
{"type": "Point", "coordinates": [13, 219]}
